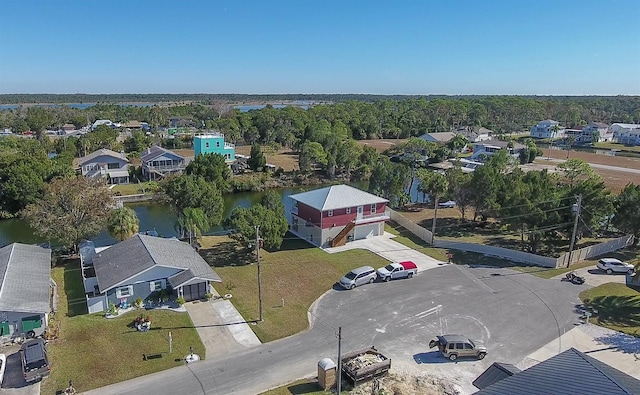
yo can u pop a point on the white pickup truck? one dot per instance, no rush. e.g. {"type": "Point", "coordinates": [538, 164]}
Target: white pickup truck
{"type": "Point", "coordinates": [397, 270]}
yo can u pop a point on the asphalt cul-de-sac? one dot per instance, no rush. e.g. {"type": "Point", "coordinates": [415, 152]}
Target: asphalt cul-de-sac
{"type": "Point", "coordinates": [512, 313]}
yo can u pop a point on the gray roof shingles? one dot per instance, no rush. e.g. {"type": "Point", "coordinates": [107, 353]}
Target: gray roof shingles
{"type": "Point", "coordinates": [152, 153]}
{"type": "Point", "coordinates": [138, 253]}
{"type": "Point", "coordinates": [568, 373]}
{"type": "Point", "coordinates": [101, 152]}
{"type": "Point", "coordinates": [336, 197]}
{"type": "Point", "coordinates": [25, 278]}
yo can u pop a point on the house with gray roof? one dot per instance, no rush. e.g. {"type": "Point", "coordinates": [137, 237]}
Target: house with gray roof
{"type": "Point", "coordinates": [106, 164]}
{"type": "Point", "coordinates": [331, 216]}
{"type": "Point", "coordinates": [484, 149]}
{"type": "Point", "coordinates": [141, 267]}
{"type": "Point", "coordinates": [158, 162]}
{"type": "Point", "coordinates": [25, 290]}
{"type": "Point", "coordinates": [568, 373]}
{"type": "Point", "coordinates": [438, 137]}
{"type": "Point", "coordinates": [474, 134]}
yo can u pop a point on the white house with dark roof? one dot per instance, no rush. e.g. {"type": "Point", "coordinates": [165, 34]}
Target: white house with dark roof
{"type": "Point", "coordinates": [590, 131]}
{"type": "Point", "coordinates": [485, 149]}
{"type": "Point", "coordinates": [106, 163]}
{"type": "Point", "coordinates": [331, 216]}
{"type": "Point", "coordinates": [475, 134]}
{"type": "Point", "coordinates": [140, 267]}
{"type": "Point", "coordinates": [158, 162]}
{"type": "Point", "coordinates": [25, 290]}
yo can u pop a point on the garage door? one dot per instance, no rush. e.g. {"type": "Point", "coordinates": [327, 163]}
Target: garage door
{"type": "Point", "coordinates": [194, 291]}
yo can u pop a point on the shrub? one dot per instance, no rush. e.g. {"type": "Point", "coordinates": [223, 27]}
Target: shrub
{"type": "Point", "coordinates": [113, 310]}
{"type": "Point", "coordinates": [138, 302]}
{"type": "Point", "coordinates": [208, 295]}
{"type": "Point", "coordinates": [180, 300]}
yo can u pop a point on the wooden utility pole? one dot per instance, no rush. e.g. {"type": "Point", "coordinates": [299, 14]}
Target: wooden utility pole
{"type": "Point", "coordinates": [259, 273]}
{"type": "Point", "coordinates": [575, 226]}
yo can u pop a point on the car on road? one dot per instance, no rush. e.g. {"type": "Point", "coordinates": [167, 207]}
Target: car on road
{"type": "Point", "coordinates": [612, 265]}
{"type": "Point", "coordinates": [395, 270]}
{"type": "Point", "coordinates": [454, 346]}
{"type": "Point", "coordinates": [35, 363]}
{"type": "Point", "coordinates": [358, 276]}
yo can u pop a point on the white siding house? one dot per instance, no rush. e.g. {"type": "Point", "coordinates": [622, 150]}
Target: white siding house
{"type": "Point", "coordinates": [547, 129]}
{"type": "Point", "coordinates": [626, 133]}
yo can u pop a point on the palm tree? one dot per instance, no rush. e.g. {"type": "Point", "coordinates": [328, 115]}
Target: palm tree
{"type": "Point", "coordinates": [435, 184]}
{"type": "Point", "coordinates": [123, 223]}
{"type": "Point", "coordinates": [194, 221]}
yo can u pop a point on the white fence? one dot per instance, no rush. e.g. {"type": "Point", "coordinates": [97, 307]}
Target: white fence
{"type": "Point", "coordinates": [411, 226]}
{"type": "Point", "coordinates": [512, 255]}
{"type": "Point", "coordinates": [594, 250]}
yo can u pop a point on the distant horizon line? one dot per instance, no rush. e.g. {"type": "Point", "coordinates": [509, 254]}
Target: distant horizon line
{"type": "Point", "coordinates": [325, 94]}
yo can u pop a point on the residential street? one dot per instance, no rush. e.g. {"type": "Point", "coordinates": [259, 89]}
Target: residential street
{"type": "Point", "coordinates": [513, 313]}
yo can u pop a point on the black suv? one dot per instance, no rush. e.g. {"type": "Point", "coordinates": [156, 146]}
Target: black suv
{"type": "Point", "coordinates": [35, 364]}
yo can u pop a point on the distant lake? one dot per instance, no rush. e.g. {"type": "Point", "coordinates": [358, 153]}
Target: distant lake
{"type": "Point", "coordinates": [80, 106]}
{"type": "Point", "coordinates": [260, 106]}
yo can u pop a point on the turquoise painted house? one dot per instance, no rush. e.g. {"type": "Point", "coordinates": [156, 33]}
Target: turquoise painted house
{"type": "Point", "coordinates": [213, 143]}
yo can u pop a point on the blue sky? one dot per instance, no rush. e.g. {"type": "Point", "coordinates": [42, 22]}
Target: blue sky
{"type": "Point", "coordinates": [568, 47]}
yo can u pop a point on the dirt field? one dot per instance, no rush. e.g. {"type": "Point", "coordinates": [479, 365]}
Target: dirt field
{"type": "Point", "coordinates": [382, 144]}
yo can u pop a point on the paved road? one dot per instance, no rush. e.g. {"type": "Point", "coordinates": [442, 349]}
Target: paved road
{"type": "Point", "coordinates": [13, 382]}
{"type": "Point", "coordinates": [513, 313]}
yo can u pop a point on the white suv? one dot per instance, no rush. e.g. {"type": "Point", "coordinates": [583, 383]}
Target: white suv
{"type": "Point", "coordinates": [612, 265]}
{"type": "Point", "coordinates": [359, 276]}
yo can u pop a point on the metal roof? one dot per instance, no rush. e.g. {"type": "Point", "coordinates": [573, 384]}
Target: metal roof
{"type": "Point", "coordinates": [25, 278]}
{"type": "Point", "coordinates": [101, 152]}
{"type": "Point", "coordinates": [336, 197]}
{"type": "Point", "coordinates": [496, 372]}
{"type": "Point", "coordinates": [118, 263]}
{"type": "Point", "coordinates": [568, 373]}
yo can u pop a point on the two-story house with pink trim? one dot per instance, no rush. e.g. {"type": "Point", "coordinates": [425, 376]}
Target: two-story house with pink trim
{"type": "Point", "coordinates": [331, 216]}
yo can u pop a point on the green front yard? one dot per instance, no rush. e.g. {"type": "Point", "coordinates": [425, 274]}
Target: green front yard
{"type": "Point", "coordinates": [618, 307]}
{"type": "Point", "coordinates": [134, 188]}
{"type": "Point", "coordinates": [298, 274]}
{"type": "Point", "coordinates": [94, 351]}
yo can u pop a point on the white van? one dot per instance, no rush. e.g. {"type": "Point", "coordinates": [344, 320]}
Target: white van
{"type": "Point", "coordinates": [359, 276]}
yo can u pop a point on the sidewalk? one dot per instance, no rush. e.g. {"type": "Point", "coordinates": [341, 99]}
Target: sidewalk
{"type": "Point", "coordinates": [390, 250]}
{"type": "Point", "coordinates": [613, 348]}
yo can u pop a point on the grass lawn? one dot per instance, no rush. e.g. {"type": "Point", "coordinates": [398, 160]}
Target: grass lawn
{"type": "Point", "coordinates": [617, 146]}
{"type": "Point", "coordinates": [132, 189]}
{"type": "Point", "coordinates": [299, 273]}
{"type": "Point", "coordinates": [618, 307]}
{"type": "Point", "coordinates": [94, 351]}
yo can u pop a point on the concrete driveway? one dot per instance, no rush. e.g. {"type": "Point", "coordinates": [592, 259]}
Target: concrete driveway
{"type": "Point", "coordinates": [513, 313]}
{"type": "Point", "coordinates": [594, 276]}
{"type": "Point", "coordinates": [389, 249]}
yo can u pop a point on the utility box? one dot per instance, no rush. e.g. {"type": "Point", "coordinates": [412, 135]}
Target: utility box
{"type": "Point", "coordinates": [327, 372]}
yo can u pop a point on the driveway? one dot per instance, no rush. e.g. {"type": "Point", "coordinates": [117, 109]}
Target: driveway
{"type": "Point", "coordinates": [391, 250]}
{"type": "Point", "coordinates": [594, 276]}
{"type": "Point", "coordinates": [513, 313]}
{"type": "Point", "coordinates": [13, 382]}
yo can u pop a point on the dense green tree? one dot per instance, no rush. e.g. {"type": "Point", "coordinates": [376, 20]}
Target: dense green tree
{"type": "Point", "coordinates": [459, 188]}
{"type": "Point", "coordinates": [435, 185]}
{"type": "Point", "coordinates": [192, 222]}
{"type": "Point", "coordinates": [190, 191]}
{"type": "Point", "coordinates": [311, 155]}
{"type": "Point", "coordinates": [257, 160]}
{"type": "Point", "coordinates": [273, 225]}
{"type": "Point", "coordinates": [212, 168]}
{"type": "Point", "coordinates": [71, 210]}
{"type": "Point", "coordinates": [627, 211]}
{"type": "Point", "coordinates": [390, 180]}
{"type": "Point", "coordinates": [123, 223]}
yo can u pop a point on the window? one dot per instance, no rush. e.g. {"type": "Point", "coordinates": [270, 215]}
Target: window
{"type": "Point", "coordinates": [468, 346]}
{"type": "Point", "coordinates": [157, 285]}
{"type": "Point", "coordinates": [206, 144]}
{"type": "Point", "coordinates": [124, 292]}
{"type": "Point", "coordinates": [348, 210]}
{"type": "Point", "coordinates": [452, 346]}
{"type": "Point", "coordinates": [113, 165]}
{"type": "Point", "coordinates": [330, 213]}
{"type": "Point", "coordinates": [373, 209]}
{"type": "Point", "coordinates": [459, 346]}
{"type": "Point", "coordinates": [218, 144]}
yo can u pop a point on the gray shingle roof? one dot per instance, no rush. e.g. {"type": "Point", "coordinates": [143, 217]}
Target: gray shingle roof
{"type": "Point", "coordinates": [336, 197]}
{"type": "Point", "coordinates": [101, 152]}
{"type": "Point", "coordinates": [153, 152]}
{"type": "Point", "coordinates": [138, 253]}
{"type": "Point", "coordinates": [496, 372]}
{"type": "Point", "coordinates": [568, 373]}
{"type": "Point", "coordinates": [25, 278]}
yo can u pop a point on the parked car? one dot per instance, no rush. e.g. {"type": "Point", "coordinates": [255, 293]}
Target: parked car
{"type": "Point", "coordinates": [359, 276]}
{"type": "Point", "coordinates": [612, 265]}
{"type": "Point", "coordinates": [397, 270]}
{"type": "Point", "coordinates": [3, 366]}
{"type": "Point", "coordinates": [35, 363]}
{"type": "Point", "coordinates": [447, 204]}
{"type": "Point", "coordinates": [454, 346]}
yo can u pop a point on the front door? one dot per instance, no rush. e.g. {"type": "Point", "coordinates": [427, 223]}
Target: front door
{"type": "Point", "coordinates": [360, 211]}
